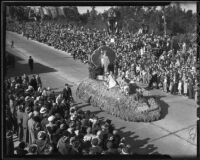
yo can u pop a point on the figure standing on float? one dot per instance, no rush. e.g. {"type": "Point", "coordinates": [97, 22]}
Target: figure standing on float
{"type": "Point", "coordinates": [104, 61]}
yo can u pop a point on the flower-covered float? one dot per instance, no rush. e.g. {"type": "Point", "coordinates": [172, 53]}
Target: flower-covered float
{"type": "Point", "coordinates": [134, 106]}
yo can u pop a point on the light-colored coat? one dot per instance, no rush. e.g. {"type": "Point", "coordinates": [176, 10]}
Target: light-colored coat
{"type": "Point", "coordinates": [31, 128]}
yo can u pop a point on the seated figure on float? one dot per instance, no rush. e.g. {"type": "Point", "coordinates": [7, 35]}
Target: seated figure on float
{"type": "Point", "coordinates": [123, 83]}
{"type": "Point", "coordinates": [110, 81]}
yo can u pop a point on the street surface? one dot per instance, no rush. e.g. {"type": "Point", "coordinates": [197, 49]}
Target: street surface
{"type": "Point", "coordinates": [174, 134]}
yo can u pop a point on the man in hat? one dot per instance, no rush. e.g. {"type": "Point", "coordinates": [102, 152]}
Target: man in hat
{"type": "Point", "coordinates": [95, 149]}
{"type": "Point", "coordinates": [67, 93]}
{"type": "Point", "coordinates": [63, 145]}
{"type": "Point", "coordinates": [33, 83]}
{"type": "Point", "coordinates": [51, 127]}
{"type": "Point", "coordinates": [12, 44]}
{"type": "Point", "coordinates": [44, 121]}
{"type": "Point", "coordinates": [109, 126]}
{"type": "Point", "coordinates": [44, 147]}
{"type": "Point", "coordinates": [89, 136]}
{"type": "Point", "coordinates": [30, 62]}
{"type": "Point", "coordinates": [116, 139]}
{"type": "Point", "coordinates": [38, 79]}
{"type": "Point", "coordinates": [126, 150]}
{"type": "Point", "coordinates": [33, 150]}
{"type": "Point", "coordinates": [75, 147]}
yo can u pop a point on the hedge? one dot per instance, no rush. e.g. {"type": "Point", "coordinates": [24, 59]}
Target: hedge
{"type": "Point", "coordinates": [116, 103]}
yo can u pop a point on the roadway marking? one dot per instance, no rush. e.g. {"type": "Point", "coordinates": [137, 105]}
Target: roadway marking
{"type": "Point", "coordinates": [172, 133]}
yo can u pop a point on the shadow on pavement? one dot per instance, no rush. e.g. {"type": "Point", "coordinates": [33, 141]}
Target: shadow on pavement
{"type": "Point", "coordinates": [83, 105]}
{"type": "Point", "coordinates": [138, 146]}
{"type": "Point", "coordinates": [21, 66]}
{"type": "Point", "coordinates": [164, 108]}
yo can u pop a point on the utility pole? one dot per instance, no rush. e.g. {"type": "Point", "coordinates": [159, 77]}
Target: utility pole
{"type": "Point", "coordinates": [165, 23]}
{"type": "Point", "coordinates": [198, 87]}
{"type": "Point", "coordinates": [198, 108]}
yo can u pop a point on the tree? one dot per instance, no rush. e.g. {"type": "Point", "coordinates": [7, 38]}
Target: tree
{"type": "Point", "coordinates": [93, 15]}
{"type": "Point", "coordinates": [84, 18]}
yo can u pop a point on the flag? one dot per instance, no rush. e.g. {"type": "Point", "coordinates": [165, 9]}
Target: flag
{"type": "Point", "coordinates": [36, 10]}
{"type": "Point", "coordinates": [53, 12]}
{"type": "Point", "coordinates": [41, 12]}
{"type": "Point", "coordinates": [49, 12]}
{"type": "Point", "coordinates": [45, 11]}
{"type": "Point", "coordinates": [60, 11]}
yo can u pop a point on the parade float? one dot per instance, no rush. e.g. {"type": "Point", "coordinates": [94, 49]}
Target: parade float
{"type": "Point", "coordinates": [134, 106]}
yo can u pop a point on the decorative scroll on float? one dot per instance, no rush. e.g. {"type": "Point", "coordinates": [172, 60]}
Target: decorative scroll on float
{"type": "Point", "coordinates": [97, 66]}
{"type": "Point", "coordinates": [96, 56]}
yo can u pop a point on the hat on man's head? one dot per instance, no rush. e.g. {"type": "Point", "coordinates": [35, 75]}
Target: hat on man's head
{"type": "Point", "coordinates": [30, 88]}
{"type": "Point", "coordinates": [66, 84]}
{"type": "Point", "coordinates": [9, 134]}
{"type": "Point", "coordinates": [63, 126]}
{"type": "Point", "coordinates": [51, 118]}
{"type": "Point", "coordinates": [28, 110]}
{"type": "Point", "coordinates": [33, 148]}
{"type": "Point", "coordinates": [35, 113]}
{"type": "Point", "coordinates": [41, 135]}
{"type": "Point", "coordinates": [43, 110]}
{"type": "Point", "coordinates": [72, 139]}
{"type": "Point", "coordinates": [95, 141]}
{"type": "Point", "coordinates": [27, 98]}
{"type": "Point", "coordinates": [126, 150]}
{"type": "Point", "coordinates": [30, 114]}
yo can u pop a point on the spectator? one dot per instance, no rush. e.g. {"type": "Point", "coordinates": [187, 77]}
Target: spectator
{"type": "Point", "coordinates": [95, 149]}
{"type": "Point", "coordinates": [67, 93]}
{"type": "Point", "coordinates": [9, 143]}
{"type": "Point", "coordinates": [30, 63]}
{"type": "Point", "coordinates": [12, 44]}
{"type": "Point", "coordinates": [25, 125]}
{"type": "Point", "coordinates": [43, 145]}
{"type": "Point", "coordinates": [21, 149]}
{"type": "Point", "coordinates": [32, 150]}
{"type": "Point", "coordinates": [20, 121]}
{"type": "Point", "coordinates": [31, 128]}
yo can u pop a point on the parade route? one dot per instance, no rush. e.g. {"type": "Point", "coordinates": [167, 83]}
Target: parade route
{"type": "Point", "coordinates": [174, 134]}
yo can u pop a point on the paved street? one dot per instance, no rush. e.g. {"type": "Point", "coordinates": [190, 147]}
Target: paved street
{"type": "Point", "coordinates": [173, 134]}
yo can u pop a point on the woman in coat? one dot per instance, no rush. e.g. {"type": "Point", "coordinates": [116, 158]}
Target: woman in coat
{"type": "Point", "coordinates": [31, 129]}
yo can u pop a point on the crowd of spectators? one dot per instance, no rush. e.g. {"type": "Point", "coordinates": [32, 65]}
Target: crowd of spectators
{"type": "Point", "coordinates": [159, 61]}
{"type": "Point", "coordinates": [50, 123]}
